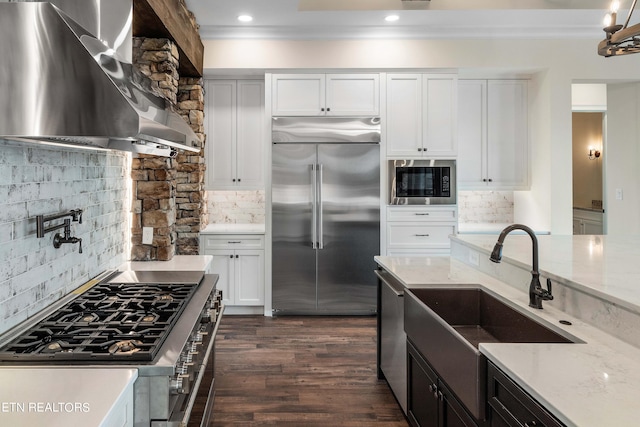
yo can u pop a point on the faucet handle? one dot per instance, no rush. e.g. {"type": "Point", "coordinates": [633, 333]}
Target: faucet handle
{"type": "Point", "coordinates": [546, 294]}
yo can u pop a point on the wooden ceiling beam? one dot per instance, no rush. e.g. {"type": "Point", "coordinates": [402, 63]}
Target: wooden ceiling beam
{"type": "Point", "coordinates": [170, 19]}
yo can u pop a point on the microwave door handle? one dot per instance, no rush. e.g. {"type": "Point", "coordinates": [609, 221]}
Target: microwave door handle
{"type": "Point", "coordinates": [320, 209]}
{"type": "Point", "coordinates": [314, 207]}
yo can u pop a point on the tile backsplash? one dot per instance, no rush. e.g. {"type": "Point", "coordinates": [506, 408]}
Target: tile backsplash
{"type": "Point", "coordinates": [236, 207]}
{"type": "Point", "coordinates": [485, 207]}
{"type": "Point", "coordinates": [37, 179]}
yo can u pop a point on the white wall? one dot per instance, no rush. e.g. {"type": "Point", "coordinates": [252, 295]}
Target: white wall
{"type": "Point", "coordinates": [554, 65]}
{"type": "Point", "coordinates": [39, 179]}
{"type": "Point", "coordinates": [621, 156]}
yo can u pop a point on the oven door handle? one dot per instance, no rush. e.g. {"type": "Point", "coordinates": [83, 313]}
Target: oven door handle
{"type": "Point", "coordinates": [205, 359]}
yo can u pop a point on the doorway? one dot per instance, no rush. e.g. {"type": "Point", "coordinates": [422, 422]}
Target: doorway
{"type": "Point", "coordinates": [587, 167]}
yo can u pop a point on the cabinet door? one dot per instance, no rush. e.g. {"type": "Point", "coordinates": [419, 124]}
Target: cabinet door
{"type": "Point", "coordinates": [507, 133]}
{"type": "Point", "coordinates": [250, 135]}
{"type": "Point", "coordinates": [472, 140]}
{"type": "Point", "coordinates": [223, 265]}
{"type": "Point", "coordinates": [353, 95]}
{"type": "Point", "coordinates": [453, 413]}
{"type": "Point", "coordinates": [249, 275]}
{"type": "Point", "coordinates": [298, 95]}
{"type": "Point", "coordinates": [423, 405]}
{"type": "Point", "coordinates": [439, 115]}
{"type": "Point", "coordinates": [220, 127]}
{"type": "Point", "coordinates": [404, 115]}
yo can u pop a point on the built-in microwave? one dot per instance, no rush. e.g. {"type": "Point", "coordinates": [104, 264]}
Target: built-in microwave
{"type": "Point", "coordinates": [422, 182]}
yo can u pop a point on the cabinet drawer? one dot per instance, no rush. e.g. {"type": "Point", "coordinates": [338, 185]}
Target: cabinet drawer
{"type": "Point", "coordinates": [232, 241]}
{"type": "Point", "coordinates": [512, 405]}
{"type": "Point", "coordinates": [418, 235]}
{"type": "Point", "coordinates": [407, 213]}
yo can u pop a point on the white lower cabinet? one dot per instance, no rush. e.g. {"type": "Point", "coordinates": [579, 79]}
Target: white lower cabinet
{"type": "Point", "coordinates": [239, 262]}
{"type": "Point", "coordinates": [587, 222]}
{"type": "Point", "coordinates": [420, 230]}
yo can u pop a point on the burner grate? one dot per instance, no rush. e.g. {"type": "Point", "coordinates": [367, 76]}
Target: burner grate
{"type": "Point", "coordinates": [124, 322]}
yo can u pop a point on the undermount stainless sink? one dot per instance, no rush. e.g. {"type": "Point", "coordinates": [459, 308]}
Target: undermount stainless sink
{"type": "Point", "coordinates": [447, 325]}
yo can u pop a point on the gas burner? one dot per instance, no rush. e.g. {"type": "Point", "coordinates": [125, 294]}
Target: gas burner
{"type": "Point", "coordinates": [163, 298]}
{"type": "Point", "coordinates": [89, 317]}
{"type": "Point", "coordinates": [149, 318]}
{"type": "Point", "coordinates": [53, 347]}
{"type": "Point", "coordinates": [125, 347]}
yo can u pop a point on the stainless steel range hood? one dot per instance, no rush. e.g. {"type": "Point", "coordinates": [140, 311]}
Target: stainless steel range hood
{"type": "Point", "coordinates": [62, 85]}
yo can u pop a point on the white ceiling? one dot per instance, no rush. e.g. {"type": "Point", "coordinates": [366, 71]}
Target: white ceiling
{"type": "Point", "coordinates": [339, 19]}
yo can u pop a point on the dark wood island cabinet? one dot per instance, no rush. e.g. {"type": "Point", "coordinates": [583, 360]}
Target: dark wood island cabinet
{"type": "Point", "coordinates": [430, 402]}
{"type": "Point", "coordinates": [511, 406]}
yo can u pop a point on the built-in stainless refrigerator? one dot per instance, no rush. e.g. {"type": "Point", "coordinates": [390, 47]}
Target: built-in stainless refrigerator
{"type": "Point", "coordinates": [325, 215]}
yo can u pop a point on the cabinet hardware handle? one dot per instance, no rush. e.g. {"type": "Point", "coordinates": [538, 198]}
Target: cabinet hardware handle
{"type": "Point", "coordinates": [237, 256]}
{"type": "Point", "coordinates": [490, 180]}
{"type": "Point", "coordinates": [230, 256]}
{"type": "Point", "coordinates": [328, 109]}
{"type": "Point", "coordinates": [234, 241]}
{"type": "Point", "coordinates": [419, 149]}
{"type": "Point", "coordinates": [440, 395]}
{"type": "Point", "coordinates": [417, 213]}
{"type": "Point", "coordinates": [322, 109]}
{"type": "Point", "coordinates": [434, 389]}
{"type": "Point", "coordinates": [531, 424]}
{"type": "Point", "coordinates": [233, 180]}
{"type": "Point", "coordinates": [421, 235]}
{"type": "Point", "coordinates": [239, 180]}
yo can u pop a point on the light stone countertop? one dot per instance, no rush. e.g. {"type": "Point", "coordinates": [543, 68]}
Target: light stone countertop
{"type": "Point", "coordinates": [234, 229]}
{"type": "Point", "coordinates": [62, 397]}
{"type": "Point", "coordinates": [589, 384]}
{"type": "Point", "coordinates": [607, 267]}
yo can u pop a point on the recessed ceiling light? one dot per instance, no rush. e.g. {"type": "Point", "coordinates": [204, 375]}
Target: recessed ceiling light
{"type": "Point", "coordinates": [245, 18]}
{"type": "Point", "coordinates": [391, 18]}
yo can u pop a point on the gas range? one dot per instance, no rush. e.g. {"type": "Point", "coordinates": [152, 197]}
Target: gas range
{"type": "Point", "coordinates": [162, 323]}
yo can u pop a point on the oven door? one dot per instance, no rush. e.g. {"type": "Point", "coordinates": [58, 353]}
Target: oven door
{"type": "Point", "coordinates": [422, 182]}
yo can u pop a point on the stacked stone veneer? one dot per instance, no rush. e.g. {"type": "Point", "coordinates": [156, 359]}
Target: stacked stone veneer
{"type": "Point", "coordinates": [169, 194]}
{"type": "Point", "coordinates": [191, 197]}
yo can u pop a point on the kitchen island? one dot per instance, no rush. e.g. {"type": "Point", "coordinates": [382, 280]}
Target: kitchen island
{"type": "Point", "coordinates": [593, 383]}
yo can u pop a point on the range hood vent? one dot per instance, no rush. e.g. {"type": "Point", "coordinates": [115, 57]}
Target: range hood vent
{"type": "Point", "coordinates": [62, 85]}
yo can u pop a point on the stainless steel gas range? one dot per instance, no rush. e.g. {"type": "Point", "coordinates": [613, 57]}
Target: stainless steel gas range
{"type": "Point", "coordinates": [162, 323]}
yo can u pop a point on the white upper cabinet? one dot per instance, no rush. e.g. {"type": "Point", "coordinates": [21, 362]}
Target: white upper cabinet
{"type": "Point", "coordinates": [234, 124]}
{"type": "Point", "coordinates": [326, 95]}
{"type": "Point", "coordinates": [422, 115]}
{"type": "Point", "coordinates": [493, 135]}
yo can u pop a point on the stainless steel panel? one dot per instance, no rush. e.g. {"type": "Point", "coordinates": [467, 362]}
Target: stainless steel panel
{"type": "Point", "coordinates": [350, 228]}
{"type": "Point", "coordinates": [325, 130]}
{"type": "Point", "coordinates": [178, 277]}
{"type": "Point", "coordinates": [293, 197]}
{"type": "Point", "coordinates": [393, 340]}
{"type": "Point", "coordinates": [74, 91]}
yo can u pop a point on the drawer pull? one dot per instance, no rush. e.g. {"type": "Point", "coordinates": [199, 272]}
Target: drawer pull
{"type": "Point", "coordinates": [233, 242]}
{"type": "Point", "coordinates": [531, 424]}
{"type": "Point", "coordinates": [422, 235]}
{"type": "Point", "coordinates": [422, 214]}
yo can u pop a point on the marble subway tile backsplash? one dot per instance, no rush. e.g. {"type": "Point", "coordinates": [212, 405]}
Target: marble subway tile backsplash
{"type": "Point", "coordinates": [37, 179]}
{"type": "Point", "coordinates": [485, 207]}
{"type": "Point", "coordinates": [236, 207]}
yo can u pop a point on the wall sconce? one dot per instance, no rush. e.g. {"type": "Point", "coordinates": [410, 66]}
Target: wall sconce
{"type": "Point", "coordinates": [593, 153]}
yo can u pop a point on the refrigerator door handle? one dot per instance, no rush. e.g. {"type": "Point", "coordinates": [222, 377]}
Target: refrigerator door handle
{"type": "Point", "coordinates": [314, 207]}
{"type": "Point", "coordinates": [320, 209]}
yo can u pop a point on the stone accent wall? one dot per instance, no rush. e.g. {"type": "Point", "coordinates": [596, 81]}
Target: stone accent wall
{"type": "Point", "coordinates": [169, 193]}
{"type": "Point", "coordinates": [191, 199]}
{"type": "Point", "coordinates": [158, 60]}
{"type": "Point", "coordinates": [154, 205]}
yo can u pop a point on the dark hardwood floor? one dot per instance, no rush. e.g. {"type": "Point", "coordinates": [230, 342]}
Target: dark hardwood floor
{"type": "Point", "coordinates": [300, 371]}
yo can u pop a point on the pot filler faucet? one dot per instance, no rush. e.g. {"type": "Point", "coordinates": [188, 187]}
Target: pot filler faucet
{"type": "Point", "coordinates": [58, 239]}
{"type": "Point", "coordinates": [536, 293]}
